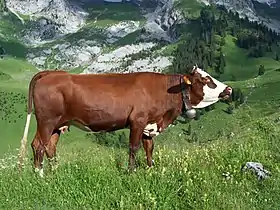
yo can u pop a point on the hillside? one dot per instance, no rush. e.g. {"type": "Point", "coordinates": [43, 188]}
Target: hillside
{"type": "Point", "coordinates": [198, 162]}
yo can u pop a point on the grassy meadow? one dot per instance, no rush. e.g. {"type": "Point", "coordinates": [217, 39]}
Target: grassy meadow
{"type": "Point", "coordinates": [197, 164]}
{"type": "Point", "coordinates": [195, 168]}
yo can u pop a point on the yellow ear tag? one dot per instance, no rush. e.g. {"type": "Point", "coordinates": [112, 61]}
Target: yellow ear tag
{"type": "Point", "coordinates": [187, 81]}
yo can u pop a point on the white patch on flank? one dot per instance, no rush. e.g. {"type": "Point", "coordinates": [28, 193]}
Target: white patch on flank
{"type": "Point", "coordinates": [151, 130]}
{"type": "Point", "coordinates": [211, 96]}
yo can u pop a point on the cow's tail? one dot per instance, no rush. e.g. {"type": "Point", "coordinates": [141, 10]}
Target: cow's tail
{"type": "Point", "coordinates": [32, 83]}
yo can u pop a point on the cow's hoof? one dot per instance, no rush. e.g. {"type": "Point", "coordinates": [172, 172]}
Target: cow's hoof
{"type": "Point", "coordinates": [39, 171]}
{"type": "Point", "coordinates": [151, 165]}
{"type": "Point", "coordinates": [131, 169]}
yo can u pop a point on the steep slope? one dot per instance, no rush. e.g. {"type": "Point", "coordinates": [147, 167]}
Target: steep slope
{"type": "Point", "coordinates": [198, 163]}
{"type": "Point", "coordinates": [253, 10]}
{"type": "Point", "coordinates": [48, 20]}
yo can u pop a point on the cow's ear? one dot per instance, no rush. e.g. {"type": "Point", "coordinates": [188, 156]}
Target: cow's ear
{"type": "Point", "coordinates": [187, 80]}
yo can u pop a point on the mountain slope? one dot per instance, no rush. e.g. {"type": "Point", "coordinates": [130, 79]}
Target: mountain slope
{"type": "Point", "coordinates": [255, 10]}
{"type": "Point", "coordinates": [199, 166]}
{"type": "Point", "coordinates": [197, 163]}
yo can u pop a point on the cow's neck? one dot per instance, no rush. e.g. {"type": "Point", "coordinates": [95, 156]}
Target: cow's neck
{"type": "Point", "coordinates": [185, 95]}
{"type": "Point", "coordinates": [181, 92]}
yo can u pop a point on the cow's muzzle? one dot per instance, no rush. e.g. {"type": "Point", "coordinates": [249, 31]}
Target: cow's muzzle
{"type": "Point", "coordinates": [226, 93]}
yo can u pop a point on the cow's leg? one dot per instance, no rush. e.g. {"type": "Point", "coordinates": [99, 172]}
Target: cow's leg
{"type": "Point", "coordinates": [38, 152]}
{"type": "Point", "coordinates": [136, 132]}
{"type": "Point", "coordinates": [39, 145]}
{"type": "Point", "coordinates": [51, 149]}
{"type": "Point", "coordinates": [148, 145]}
{"type": "Point", "coordinates": [35, 145]}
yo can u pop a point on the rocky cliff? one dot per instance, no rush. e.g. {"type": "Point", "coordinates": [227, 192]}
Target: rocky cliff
{"type": "Point", "coordinates": [49, 19]}
{"type": "Point", "coordinates": [66, 34]}
{"type": "Point", "coordinates": [248, 8]}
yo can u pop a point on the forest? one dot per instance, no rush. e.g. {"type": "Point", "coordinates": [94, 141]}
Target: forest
{"type": "Point", "coordinates": [202, 40]}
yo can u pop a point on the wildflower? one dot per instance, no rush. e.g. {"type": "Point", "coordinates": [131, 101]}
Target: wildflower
{"type": "Point", "coordinates": [163, 170]}
{"type": "Point", "coordinates": [227, 175]}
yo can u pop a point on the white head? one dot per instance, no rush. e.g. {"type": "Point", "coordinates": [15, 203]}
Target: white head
{"type": "Point", "coordinates": [205, 90]}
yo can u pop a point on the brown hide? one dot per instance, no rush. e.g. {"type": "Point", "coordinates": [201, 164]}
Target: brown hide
{"type": "Point", "coordinates": [106, 102]}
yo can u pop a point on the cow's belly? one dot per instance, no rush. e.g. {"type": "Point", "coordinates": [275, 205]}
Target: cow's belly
{"type": "Point", "coordinates": [81, 126]}
{"type": "Point", "coordinates": [99, 119]}
{"type": "Point", "coordinates": [150, 130]}
{"type": "Point", "coordinates": [99, 126]}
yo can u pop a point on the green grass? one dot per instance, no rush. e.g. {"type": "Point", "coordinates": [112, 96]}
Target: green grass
{"type": "Point", "coordinates": [186, 175]}
{"type": "Point", "coordinates": [239, 65]}
{"type": "Point", "coordinates": [110, 13]}
{"type": "Point", "coordinates": [191, 8]}
{"type": "Point", "coordinates": [188, 172]}
{"type": "Point", "coordinates": [13, 92]}
{"type": "Point", "coordinates": [128, 39]}
{"type": "Point", "coordinates": [10, 27]}
{"type": "Point", "coordinates": [4, 76]}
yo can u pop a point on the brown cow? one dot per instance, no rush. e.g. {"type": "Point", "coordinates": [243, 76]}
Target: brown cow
{"type": "Point", "coordinates": [145, 102]}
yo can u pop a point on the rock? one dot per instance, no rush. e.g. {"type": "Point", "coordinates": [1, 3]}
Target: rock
{"type": "Point", "coordinates": [47, 51]}
{"type": "Point", "coordinates": [121, 29]}
{"type": "Point", "coordinates": [268, 2]}
{"type": "Point", "coordinates": [65, 55]}
{"type": "Point", "coordinates": [48, 22]}
{"type": "Point", "coordinates": [257, 168]}
{"type": "Point", "coordinates": [150, 64]}
{"type": "Point", "coordinates": [113, 60]}
{"type": "Point", "coordinates": [49, 18]}
{"type": "Point", "coordinates": [247, 8]}
{"type": "Point", "coordinates": [39, 61]}
{"type": "Point", "coordinates": [40, 32]}
{"type": "Point", "coordinates": [161, 22]}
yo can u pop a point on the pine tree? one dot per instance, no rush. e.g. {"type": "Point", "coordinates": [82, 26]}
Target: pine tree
{"type": "Point", "coordinates": [221, 63]}
{"type": "Point", "coordinates": [277, 57]}
{"type": "Point", "coordinates": [223, 41]}
{"type": "Point", "coordinates": [261, 70]}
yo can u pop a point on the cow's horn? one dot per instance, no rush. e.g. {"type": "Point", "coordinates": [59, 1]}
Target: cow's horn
{"type": "Point", "coordinates": [194, 68]}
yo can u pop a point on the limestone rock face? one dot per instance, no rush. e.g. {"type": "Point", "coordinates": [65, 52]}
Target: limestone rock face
{"type": "Point", "coordinates": [50, 19]}
{"type": "Point", "coordinates": [248, 8]}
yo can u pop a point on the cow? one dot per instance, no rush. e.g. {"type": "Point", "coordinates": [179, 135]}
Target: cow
{"type": "Point", "coordinates": [144, 102]}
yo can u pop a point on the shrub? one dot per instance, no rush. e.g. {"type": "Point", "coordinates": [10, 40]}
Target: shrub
{"type": "Point", "coordinates": [261, 70]}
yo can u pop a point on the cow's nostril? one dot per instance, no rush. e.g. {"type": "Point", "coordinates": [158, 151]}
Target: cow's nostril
{"type": "Point", "coordinates": [228, 90]}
